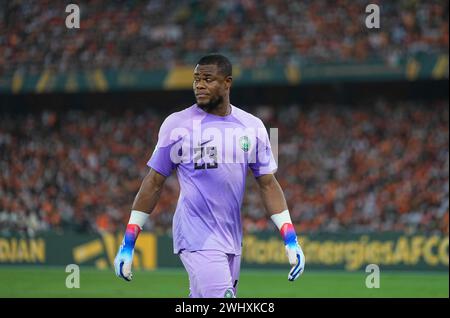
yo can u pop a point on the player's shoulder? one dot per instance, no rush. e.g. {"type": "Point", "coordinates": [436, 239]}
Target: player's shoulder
{"type": "Point", "coordinates": [180, 118]}
{"type": "Point", "coordinates": [248, 119]}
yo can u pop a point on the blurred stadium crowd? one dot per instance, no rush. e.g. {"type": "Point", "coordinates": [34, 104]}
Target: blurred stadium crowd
{"type": "Point", "coordinates": [154, 34]}
{"type": "Point", "coordinates": [362, 169]}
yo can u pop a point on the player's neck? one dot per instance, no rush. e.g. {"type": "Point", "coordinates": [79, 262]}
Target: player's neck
{"type": "Point", "coordinates": [224, 109]}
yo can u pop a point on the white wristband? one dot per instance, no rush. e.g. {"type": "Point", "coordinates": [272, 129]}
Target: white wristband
{"type": "Point", "coordinates": [138, 217]}
{"type": "Point", "coordinates": [281, 218]}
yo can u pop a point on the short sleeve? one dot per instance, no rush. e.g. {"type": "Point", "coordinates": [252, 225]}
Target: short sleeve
{"type": "Point", "coordinates": [264, 160]}
{"type": "Point", "coordinates": [164, 157]}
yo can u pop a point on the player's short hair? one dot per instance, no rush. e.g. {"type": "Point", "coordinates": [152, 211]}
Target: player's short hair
{"type": "Point", "coordinates": [222, 63]}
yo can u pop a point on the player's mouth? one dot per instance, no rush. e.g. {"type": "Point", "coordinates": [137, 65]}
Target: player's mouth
{"type": "Point", "coordinates": [201, 95]}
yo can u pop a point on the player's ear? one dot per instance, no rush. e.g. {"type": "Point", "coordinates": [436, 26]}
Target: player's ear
{"type": "Point", "coordinates": [228, 81]}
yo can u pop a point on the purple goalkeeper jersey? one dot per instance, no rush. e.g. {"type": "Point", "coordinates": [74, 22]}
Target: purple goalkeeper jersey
{"type": "Point", "coordinates": [211, 155]}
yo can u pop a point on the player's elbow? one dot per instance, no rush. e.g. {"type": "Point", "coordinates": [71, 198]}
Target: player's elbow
{"type": "Point", "coordinates": [268, 183]}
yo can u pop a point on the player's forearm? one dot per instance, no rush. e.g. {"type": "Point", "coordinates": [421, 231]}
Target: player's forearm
{"type": "Point", "coordinates": [147, 198]}
{"type": "Point", "coordinates": [143, 205]}
{"type": "Point", "coordinates": [275, 204]}
{"type": "Point", "coordinates": [272, 196]}
{"type": "Point", "coordinates": [149, 193]}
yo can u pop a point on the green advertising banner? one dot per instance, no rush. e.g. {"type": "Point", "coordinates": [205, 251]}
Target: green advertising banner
{"type": "Point", "coordinates": [353, 252]}
{"type": "Point", "coordinates": [70, 248]}
{"type": "Point", "coordinates": [408, 68]}
{"type": "Point", "coordinates": [348, 252]}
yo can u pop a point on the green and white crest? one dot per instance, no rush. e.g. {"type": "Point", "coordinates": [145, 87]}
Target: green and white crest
{"type": "Point", "coordinates": [229, 293]}
{"type": "Point", "coordinates": [244, 142]}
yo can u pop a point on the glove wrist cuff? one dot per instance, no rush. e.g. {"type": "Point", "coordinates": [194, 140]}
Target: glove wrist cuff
{"type": "Point", "coordinates": [281, 218]}
{"type": "Point", "coordinates": [283, 221]}
{"type": "Point", "coordinates": [139, 218]}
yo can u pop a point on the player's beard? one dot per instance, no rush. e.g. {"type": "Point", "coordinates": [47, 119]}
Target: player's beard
{"type": "Point", "coordinates": [212, 104]}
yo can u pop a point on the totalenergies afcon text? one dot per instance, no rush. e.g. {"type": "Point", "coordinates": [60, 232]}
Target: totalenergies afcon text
{"type": "Point", "coordinates": [352, 254]}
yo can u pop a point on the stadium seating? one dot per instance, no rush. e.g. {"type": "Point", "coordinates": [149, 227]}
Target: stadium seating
{"type": "Point", "coordinates": [148, 35]}
{"type": "Point", "coordinates": [384, 167]}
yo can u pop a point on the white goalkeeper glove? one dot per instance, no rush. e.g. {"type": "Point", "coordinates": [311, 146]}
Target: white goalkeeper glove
{"type": "Point", "coordinates": [293, 250]}
{"type": "Point", "coordinates": [123, 261]}
{"type": "Point", "coordinates": [296, 259]}
{"type": "Point", "coordinates": [124, 257]}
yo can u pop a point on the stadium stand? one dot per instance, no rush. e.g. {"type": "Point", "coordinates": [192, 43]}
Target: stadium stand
{"type": "Point", "coordinates": [360, 169]}
{"type": "Point", "coordinates": [148, 35]}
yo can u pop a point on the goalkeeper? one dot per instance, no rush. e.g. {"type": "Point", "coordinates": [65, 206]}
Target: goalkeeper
{"type": "Point", "coordinates": [207, 229]}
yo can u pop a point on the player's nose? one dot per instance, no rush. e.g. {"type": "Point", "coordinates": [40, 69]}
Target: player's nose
{"type": "Point", "coordinates": [199, 85]}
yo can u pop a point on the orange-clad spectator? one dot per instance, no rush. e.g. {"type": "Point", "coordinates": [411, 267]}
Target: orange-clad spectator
{"type": "Point", "coordinates": [383, 168]}
{"type": "Point", "coordinates": [149, 35]}
{"type": "Point", "coordinates": [102, 222]}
